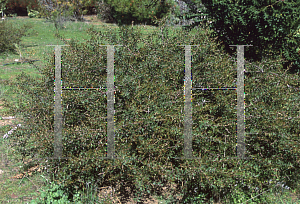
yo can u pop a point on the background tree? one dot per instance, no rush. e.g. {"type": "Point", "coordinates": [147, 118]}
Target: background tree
{"type": "Point", "coordinates": [126, 11]}
{"type": "Point", "coordinates": [68, 9]}
{"type": "Point", "coordinates": [64, 10]}
{"type": "Point", "coordinates": [267, 25]}
{"type": "Point", "coordinates": [104, 12]}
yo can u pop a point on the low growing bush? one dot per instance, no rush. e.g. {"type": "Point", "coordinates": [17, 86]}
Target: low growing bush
{"type": "Point", "coordinates": [10, 34]}
{"type": "Point", "coordinates": [53, 194]}
{"type": "Point", "coordinates": [149, 118]}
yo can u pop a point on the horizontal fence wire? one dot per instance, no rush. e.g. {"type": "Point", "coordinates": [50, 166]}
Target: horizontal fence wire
{"type": "Point", "coordinates": [187, 94]}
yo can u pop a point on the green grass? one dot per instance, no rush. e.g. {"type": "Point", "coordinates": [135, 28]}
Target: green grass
{"type": "Point", "coordinates": [34, 47]}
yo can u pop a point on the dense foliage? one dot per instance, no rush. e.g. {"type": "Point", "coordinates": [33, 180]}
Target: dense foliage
{"type": "Point", "coordinates": [104, 12]}
{"type": "Point", "coordinates": [268, 25]}
{"type": "Point", "coordinates": [64, 10]}
{"type": "Point", "coordinates": [149, 118]}
{"type": "Point", "coordinates": [126, 11]}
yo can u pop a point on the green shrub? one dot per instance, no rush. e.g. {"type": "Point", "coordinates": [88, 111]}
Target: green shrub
{"type": "Point", "coordinates": [267, 25]}
{"type": "Point", "coordinates": [149, 71]}
{"type": "Point", "coordinates": [53, 194]}
{"type": "Point", "coordinates": [9, 35]}
{"type": "Point", "coordinates": [126, 11]}
{"type": "Point", "coordinates": [291, 52]}
{"type": "Point", "coordinates": [34, 14]}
